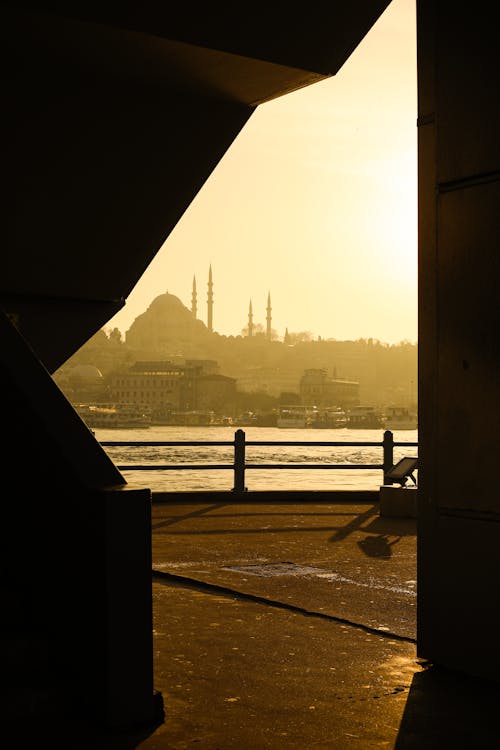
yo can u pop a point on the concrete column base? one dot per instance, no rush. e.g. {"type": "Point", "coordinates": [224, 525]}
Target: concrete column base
{"type": "Point", "coordinates": [398, 502]}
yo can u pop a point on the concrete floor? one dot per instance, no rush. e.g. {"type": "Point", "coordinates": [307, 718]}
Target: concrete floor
{"type": "Point", "coordinates": [292, 626]}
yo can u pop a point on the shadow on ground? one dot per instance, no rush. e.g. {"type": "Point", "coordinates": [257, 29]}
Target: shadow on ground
{"type": "Point", "coordinates": [449, 711]}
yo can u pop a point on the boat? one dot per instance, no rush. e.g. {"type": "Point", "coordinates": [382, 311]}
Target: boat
{"type": "Point", "coordinates": [112, 416]}
{"type": "Point", "coordinates": [329, 418]}
{"type": "Point", "coordinates": [364, 418]}
{"type": "Point", "coordinates": [295, 416]}
{"type": "Point", "coordinates": [256, 419]}
{"type": "Point", "coordinates": [266, 419]}
{"type": "Point", "coordinates": [400, 418]}
{"type": "Point", "coordinates": [245, 419]}
{"type": "Point", "coordinates": [193, 418]}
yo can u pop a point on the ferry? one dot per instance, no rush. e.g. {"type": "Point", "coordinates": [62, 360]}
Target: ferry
{"type": "Point", "coordinates": [193, 418]}
{"type": "Point", "coordinates": [166, 417]}
{"type": "Point", "coordinates": [110, 416]}
{"type": "Point", "coordinates": [400, 418]}
{"type": "Point", "coordinates": [295, 415]}
{"type": "Point", "coordinates": [364, 418]}
{"type": "Point", "coordinates": [329, 418]}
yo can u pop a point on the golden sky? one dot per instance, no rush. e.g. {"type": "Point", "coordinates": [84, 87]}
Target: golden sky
{"type": "Point", "coordinates": [315, 202]}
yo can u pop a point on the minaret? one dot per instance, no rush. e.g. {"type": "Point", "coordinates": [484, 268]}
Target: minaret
{"type": "Point", "coordinates": [250, 320]}
{"type": "Point", "coordinates": [268, 318]}
{"type": "Point", "coordinates": [210, 300]}
{"type": "Point", "coordinates": [193, 299]}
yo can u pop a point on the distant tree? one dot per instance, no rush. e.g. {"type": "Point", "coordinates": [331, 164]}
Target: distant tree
{"type": "Point", "coordinates": [296, 338]}
{"type": "Point", "coordinates": [115, 336]}
{"type": "Point", "coordinates": [98, 339]}
{"type": "Point", "coordinates": [257, 328]}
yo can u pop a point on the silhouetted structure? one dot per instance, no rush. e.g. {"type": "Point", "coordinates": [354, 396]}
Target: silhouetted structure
{"type": "Point", "coordinates": [210, 301]}
{"type": "Point", "coordinates": [115, 121]}
{"type": "Point", "coordinates": [194, 299]}
{"type": "Point", "coordinates": [268, 318]}
{"type": "Point", "coordinates": [250, 320]}
{"type": "Point", "coordinates": [165, 320]}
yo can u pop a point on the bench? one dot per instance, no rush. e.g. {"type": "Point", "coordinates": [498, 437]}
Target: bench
{"type": "Point", "coordinates": [402, 471]}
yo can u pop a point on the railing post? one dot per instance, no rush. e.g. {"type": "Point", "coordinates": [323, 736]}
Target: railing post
{"type": "Point", "coordinates": [239, 461]}
{"type": "Point", "coordinates": [388, 444]}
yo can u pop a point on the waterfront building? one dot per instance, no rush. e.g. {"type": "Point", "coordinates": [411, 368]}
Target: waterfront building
{"type": "Point", "coordinates": [270, 380]}
{"type": "Point", "coordinates": [216, 393]}
{"type": "Point", "coordinates": [316, 387]}
{"type": "Point", "coordinates": [163, 386]}
{"type": "Point", "coordinates": [159, 385]}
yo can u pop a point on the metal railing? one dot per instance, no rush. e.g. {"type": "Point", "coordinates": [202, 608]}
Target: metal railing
{"type": "Point", "coordinates": [239, 466]}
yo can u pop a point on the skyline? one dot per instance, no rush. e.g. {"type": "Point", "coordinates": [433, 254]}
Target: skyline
{"type": "Point", "coordinates": [206, 313]}
{"type": "Point", "coordinates": [315, 202]}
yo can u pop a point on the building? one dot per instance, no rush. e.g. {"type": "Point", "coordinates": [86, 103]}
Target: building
{"type": "Point", "coordinates": [270, 380]}
{"type": "Point", "coordinates": [318, 389]}
{"type": "Point", "coordinates": [165, 322]}
{"type": "Point", "coordinates": [216, 393]}
{"type": "Point", "coordinates": [160, 386]}
{"type": "Point", "coordinates": [206, 366]}
{"type": "Point", "coordinates": [82, 383]}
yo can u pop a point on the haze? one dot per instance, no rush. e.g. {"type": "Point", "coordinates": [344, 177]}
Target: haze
{"type": "Point", "coordinates": [314, 202]}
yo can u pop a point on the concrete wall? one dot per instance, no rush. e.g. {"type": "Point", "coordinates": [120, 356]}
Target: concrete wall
{"type": "Point", "coordinates": [459, 359]}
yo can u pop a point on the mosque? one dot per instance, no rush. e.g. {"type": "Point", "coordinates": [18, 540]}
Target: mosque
{"type": "Point", "coordinates": [210, 307]}
{"type": "Point", "coordinates": [167, 319]}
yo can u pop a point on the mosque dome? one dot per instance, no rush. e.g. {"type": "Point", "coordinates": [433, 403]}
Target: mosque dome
{"type": "Point", "coordinates": [166, 320]}
{"type": "Point", "coordinates": [88, 373]}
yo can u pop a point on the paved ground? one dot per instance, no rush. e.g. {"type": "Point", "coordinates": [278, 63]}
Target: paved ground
{"type": "Point", "coordinates": [305, 621]}
{"type": "Point", "coordinates": [292, 626]}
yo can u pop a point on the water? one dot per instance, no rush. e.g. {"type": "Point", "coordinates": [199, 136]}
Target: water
{"type": "Point", "coordinates": [255, 479]}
